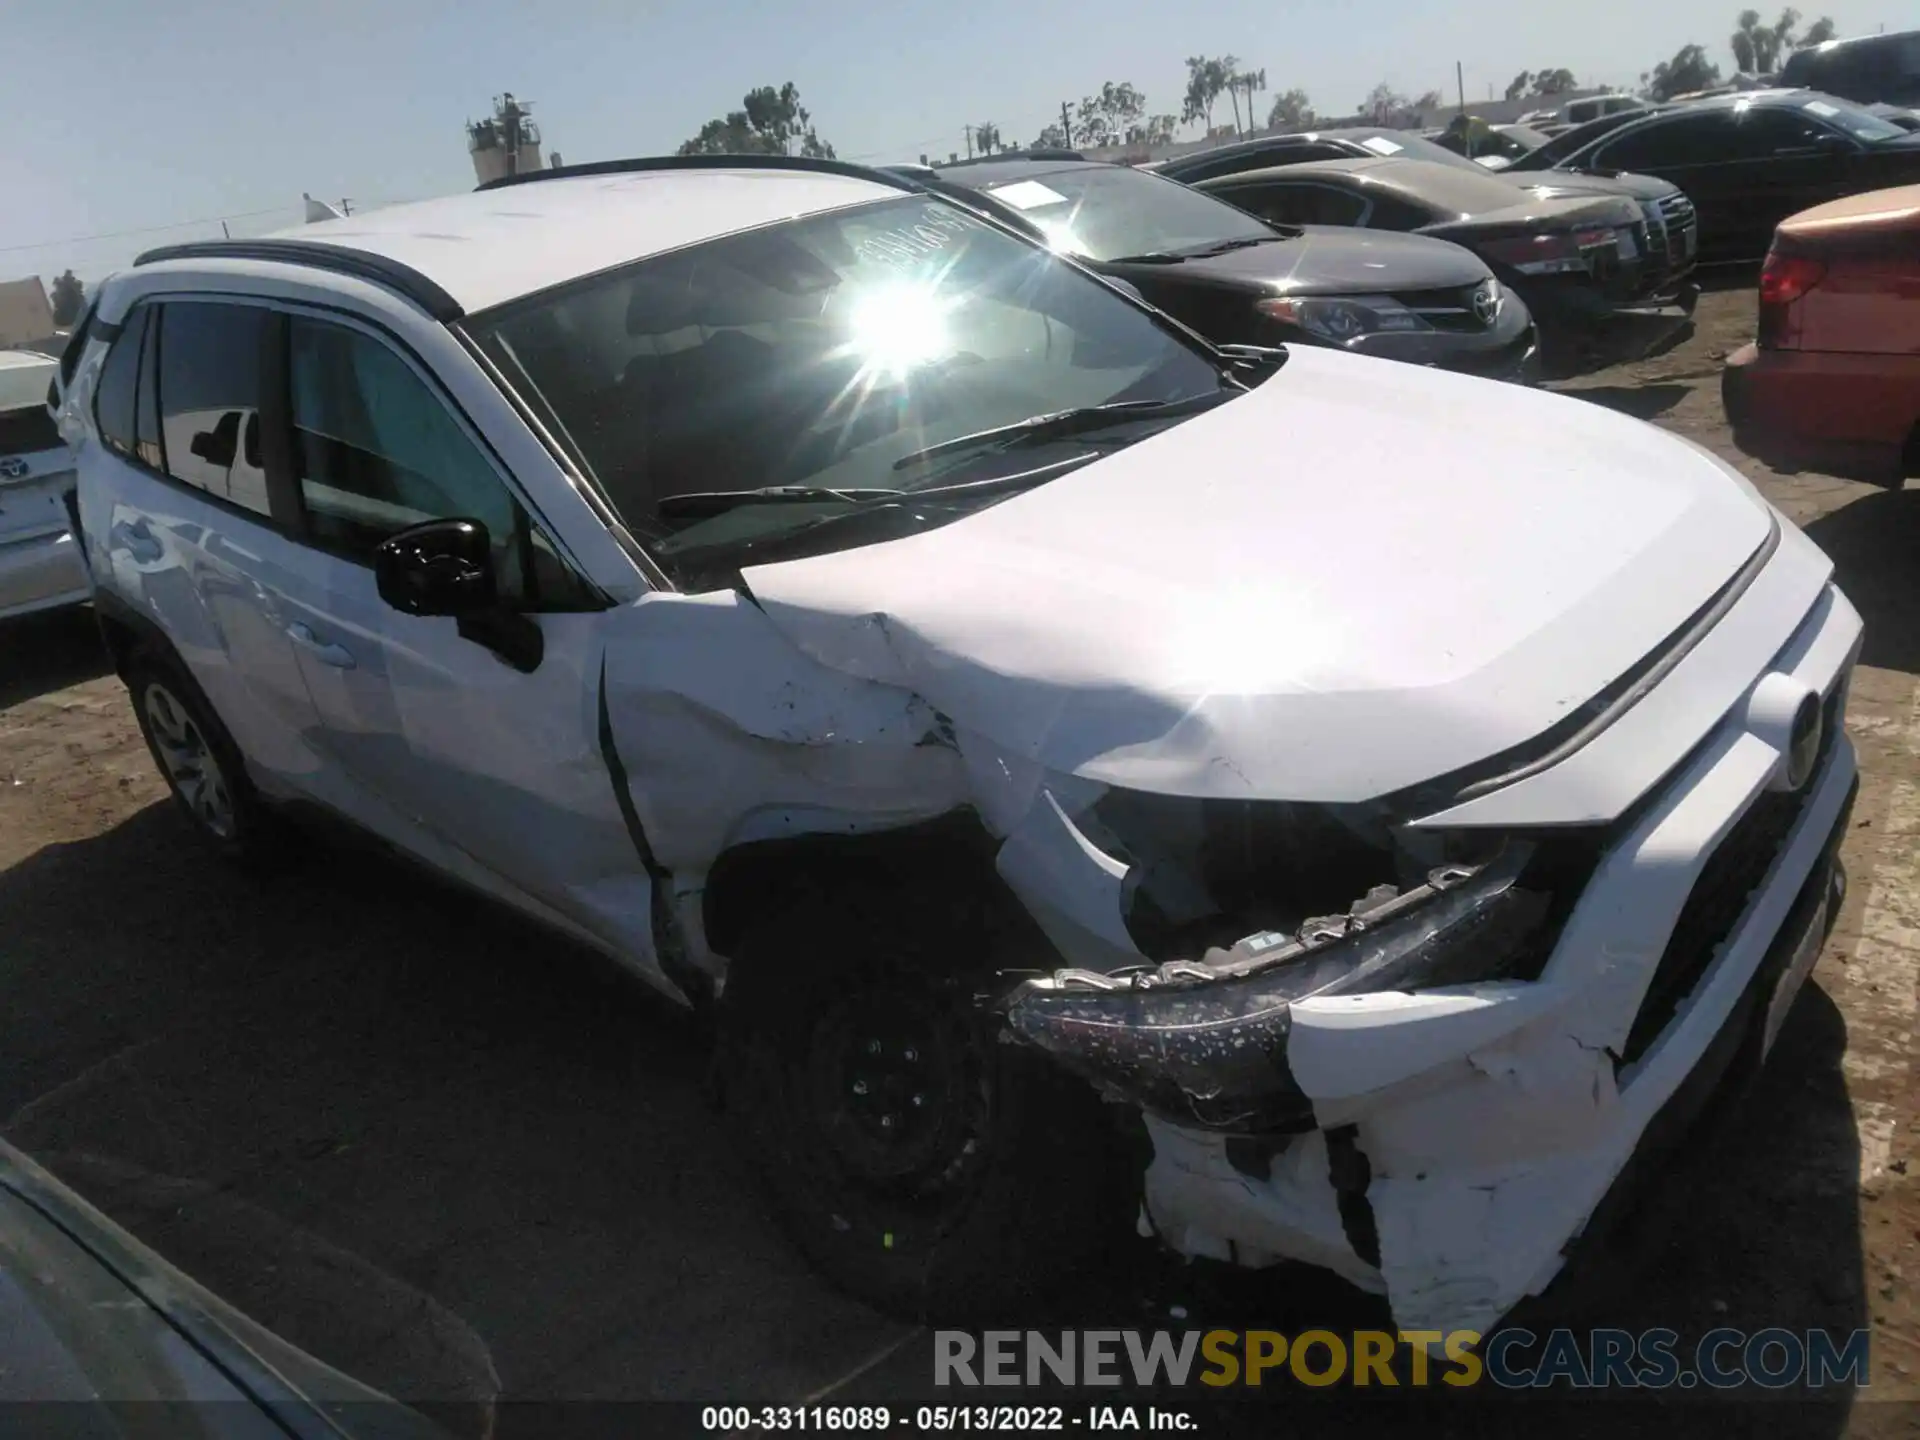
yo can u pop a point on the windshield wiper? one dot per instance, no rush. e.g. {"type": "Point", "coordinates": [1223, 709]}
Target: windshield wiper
{"type": "Point", "coordinates": [1202, 252]}
{"type": "Point", "coordinates": [1241, 242]}
{"type": "Point", "coordinates": [1066, 422]}
{"type": "Point", "coordinates": [700, 504]}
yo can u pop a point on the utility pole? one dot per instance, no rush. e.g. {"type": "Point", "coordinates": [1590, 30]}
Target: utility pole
{"type": "Point", "coordinates": [1460, 82]}
{"type": "Point", "coordinates": [1066, 126]}
{"type": "Point", "coordinates": [969, 130]}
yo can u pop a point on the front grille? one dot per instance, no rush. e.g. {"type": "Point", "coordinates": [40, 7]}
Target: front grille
{"type": "Point", "coordinates": [1678, 214]}
{"type": "Point", "coordinates": [1450, 308]}
{"type": "Point", "coordinates": [1720, 896]}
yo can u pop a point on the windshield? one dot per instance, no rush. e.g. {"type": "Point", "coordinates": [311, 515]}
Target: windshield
{"type": "Point", "coordinates": [826, 353]}
{"type": "Point", "coordinates": [1861, 124]}
{"type": "Point", "coordinates": [1403, 146]}
{"type": "Point", "coordinates": [1571, 142]}
{"type": "Point", "coordinates": [1105, 212]}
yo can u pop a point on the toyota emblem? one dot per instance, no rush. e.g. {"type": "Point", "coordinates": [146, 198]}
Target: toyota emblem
{"type": "Point", "coordinates": [1486, 305]}
{"type": "Point", "coordinates": [12, 467]}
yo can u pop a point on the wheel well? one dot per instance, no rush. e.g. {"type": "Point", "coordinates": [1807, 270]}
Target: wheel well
{"type": "Point", "coordinates": [941, 869]}
{"type": "Point", "coordinates": [122, 634]}
{"type": "Point", "coordinates": [1910, 453]}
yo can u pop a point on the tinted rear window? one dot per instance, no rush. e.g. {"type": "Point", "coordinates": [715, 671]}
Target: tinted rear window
{"type": "Point", "coordinates": [77, 341]}
{"type": "Point", "coordinates": [119, 379]}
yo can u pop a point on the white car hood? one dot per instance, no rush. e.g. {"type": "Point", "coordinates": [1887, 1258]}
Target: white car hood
{"type": "Point", "coordinates": [1360, 576]}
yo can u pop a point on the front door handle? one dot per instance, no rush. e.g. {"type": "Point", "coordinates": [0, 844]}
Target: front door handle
{"type": "Point", "coordinates": [327, 654]}
{"type": "Point", "coordinates": [138, 541]}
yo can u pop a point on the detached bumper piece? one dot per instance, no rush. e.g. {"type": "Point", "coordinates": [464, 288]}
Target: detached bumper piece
{"type": "Point", "coordinates": [1203, 1043]}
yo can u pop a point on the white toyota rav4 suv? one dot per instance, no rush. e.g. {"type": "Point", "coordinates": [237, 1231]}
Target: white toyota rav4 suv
{"type": "Point", "coordinates": [1310, 806]}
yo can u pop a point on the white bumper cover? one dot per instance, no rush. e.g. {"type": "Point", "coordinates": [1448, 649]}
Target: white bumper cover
{"type": "Point", "coordinates": [1494, 1118]}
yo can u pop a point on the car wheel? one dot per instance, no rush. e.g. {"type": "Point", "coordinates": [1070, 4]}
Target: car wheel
{"type": "Point", "coordinates": [922, 1164]}
{"type": "Point", "coordinates": [200, 763]}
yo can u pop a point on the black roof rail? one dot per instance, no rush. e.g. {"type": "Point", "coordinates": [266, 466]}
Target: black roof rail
{"type": "Point", "coordinates": [402, 279]}
{"type": "Point", "coordinates": [640, 163]}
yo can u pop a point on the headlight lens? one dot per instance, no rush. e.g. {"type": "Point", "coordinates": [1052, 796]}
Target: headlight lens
{"type": "Point", "coordinates": [1341, 319]}
{"type": "Point", "coordinates": [1205, 1042]}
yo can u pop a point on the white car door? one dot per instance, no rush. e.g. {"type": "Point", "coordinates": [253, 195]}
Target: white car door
{"type": "Point", "coordinates": [497, 774]}
{"type": "Point", "coordinates": [170, 537]}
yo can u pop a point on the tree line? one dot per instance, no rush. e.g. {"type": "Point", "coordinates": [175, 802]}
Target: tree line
{"type": "Point", "coordinates": [773, 122]}
{"type": "Point", "coordinates": [1758, 49]}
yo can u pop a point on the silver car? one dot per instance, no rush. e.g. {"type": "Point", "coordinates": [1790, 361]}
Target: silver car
{"type": "Point", "coordinates": [41, 567]}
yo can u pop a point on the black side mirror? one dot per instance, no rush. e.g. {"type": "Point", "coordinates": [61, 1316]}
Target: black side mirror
{"type": "Point", "coordinates": [445, 567]}
{"type": "Point", "coordinates": [217, 446]}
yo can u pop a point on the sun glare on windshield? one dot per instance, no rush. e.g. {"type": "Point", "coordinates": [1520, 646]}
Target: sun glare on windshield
{"type": "Point", "coordinates": [897, 328]}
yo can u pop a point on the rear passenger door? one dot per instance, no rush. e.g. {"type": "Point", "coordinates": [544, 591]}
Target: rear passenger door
{"type": "Point", "coordinates": [178, 541]}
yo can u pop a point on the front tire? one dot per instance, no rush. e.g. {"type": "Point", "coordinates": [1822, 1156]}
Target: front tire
{"type": "Point", "coordinates": [919, 1162]}
{"type": "Point", "coordinates": [200, 763]}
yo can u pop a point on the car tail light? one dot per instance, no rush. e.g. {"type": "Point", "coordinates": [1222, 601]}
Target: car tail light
{"type": "Point", "coordinates": [1783, 280]}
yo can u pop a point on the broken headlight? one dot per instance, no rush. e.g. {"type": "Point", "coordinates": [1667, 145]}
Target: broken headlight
{"type": "Point", "coordinates": [1205, 1041]}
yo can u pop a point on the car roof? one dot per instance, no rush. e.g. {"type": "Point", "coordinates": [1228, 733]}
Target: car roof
{"type": "Point", "coordinates": [1847, 42]}
{"type": "Point", "coordinates": [487, 247]}
{"type": "Point", "coordinates": [1450, 186]}
{"type": "Point", "coordinates": [983, 173]}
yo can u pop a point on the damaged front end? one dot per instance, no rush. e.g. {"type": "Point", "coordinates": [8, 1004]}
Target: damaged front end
{"type": "Point", "coordinates": [1203, 1041]}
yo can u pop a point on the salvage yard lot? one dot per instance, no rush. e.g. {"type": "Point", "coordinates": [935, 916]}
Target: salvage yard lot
{"type": "Point", "coordinates": [445, 1151]}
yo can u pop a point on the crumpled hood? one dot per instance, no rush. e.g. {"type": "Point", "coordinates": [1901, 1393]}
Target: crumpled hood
{"type": "Point", "coordinates": [1360, 576]}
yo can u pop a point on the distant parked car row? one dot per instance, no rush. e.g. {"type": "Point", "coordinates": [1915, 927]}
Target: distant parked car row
{"type": "Point", "coordinates": [1747, 161]}
{"type": "Point", "coordinates": [1593, 266]}
{"type": "Point", "coordinates": [1239, 280]}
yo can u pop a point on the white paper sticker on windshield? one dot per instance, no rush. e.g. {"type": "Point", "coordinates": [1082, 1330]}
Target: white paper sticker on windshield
{"type": "Point", "coordinates": [1027, 195]}
{"type": "Point", "coordinates": [1820, 108]}
{"type": "Point", "coordinates": [1380, 145]}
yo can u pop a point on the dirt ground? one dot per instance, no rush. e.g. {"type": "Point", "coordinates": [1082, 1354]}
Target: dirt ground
{"type": "Point", "coordinates": [457, 1158]}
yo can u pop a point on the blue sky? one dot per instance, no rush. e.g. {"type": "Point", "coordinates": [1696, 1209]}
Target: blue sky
{"type": "Point", "coordinates": [129, 115]}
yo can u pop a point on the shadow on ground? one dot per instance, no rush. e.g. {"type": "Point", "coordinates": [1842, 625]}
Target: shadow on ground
{"type": "Point", "coordinates": [508, 1138]}
{"type": "Point", "coordinates": [1757, 1228]}
{"type": "Point", "coordinates": [49, 652]}
{"type": "Point", "coordinates": [1740, 275]}
{"type": "Point", "coordinates": [1643, 402]}
{"type": "Point", "coordinates": [362, 1105]}
{"type": "Point", "coordinates": [1874, 542]}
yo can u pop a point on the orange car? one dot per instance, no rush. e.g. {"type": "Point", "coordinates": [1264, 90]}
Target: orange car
{"type": "Point", "coordinates": [1833, 383]}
